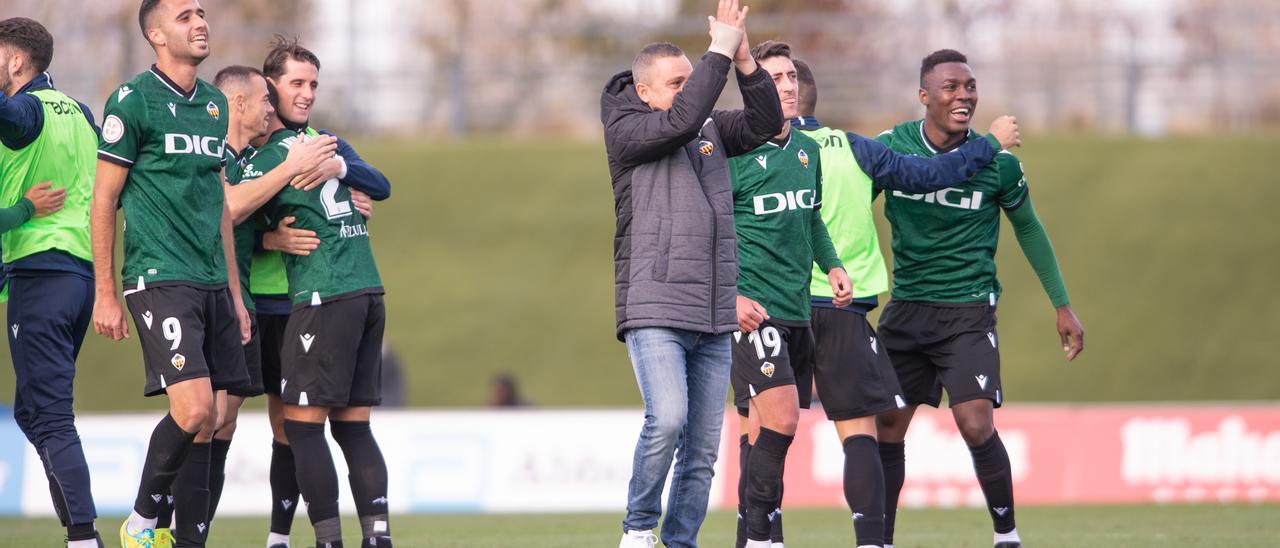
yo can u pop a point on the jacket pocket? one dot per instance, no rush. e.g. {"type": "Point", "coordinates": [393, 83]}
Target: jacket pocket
{"type": "Point", "coordinates": [664, 251]}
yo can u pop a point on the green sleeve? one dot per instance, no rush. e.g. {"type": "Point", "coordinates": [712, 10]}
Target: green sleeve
{"type": "Point", "coordinates": [1035, 244]}
{"type": "Point", "coordinates": [824, 252]}
{"type": "Point", "coordinates": [13, 217]}
{"type": "Point", "coordinates": [1013, 180]}
{"type": "Point", "coordinates": [124, 126]}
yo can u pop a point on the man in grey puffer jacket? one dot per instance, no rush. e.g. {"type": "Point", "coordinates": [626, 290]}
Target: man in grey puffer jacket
{"type": "Point", "coordinates": [675, 257]}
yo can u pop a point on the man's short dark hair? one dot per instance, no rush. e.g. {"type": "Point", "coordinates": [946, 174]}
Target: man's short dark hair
{"type": "Point", "coordinates": [807, 94]}
{"type": "Point", "coordinates": [937, 58]}
{"type": "Point", "coordinates": [771, 48]}
{"type": "Point", "coordinates": [651, 53]}
{"type": "Point", "coordinates": [239, 74]}
{"type": "Point", "coordinates": [144, 12]}
{"type": "Point", "coordinates": [31, 37]}
{"type": "Point", "coordinates": [283, 49]}
{"type": "Point", "coordinates": [273, 96]}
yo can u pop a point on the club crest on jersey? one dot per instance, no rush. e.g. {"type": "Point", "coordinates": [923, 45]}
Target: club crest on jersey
{"type": "Point", "coordinates": [212, 109]}
{"type": "Point", "coordinates": [112, 129]}
{"type": "Point", "coordinates": [767, 369]}
{"type": "Point", "coordinates": [706, 147]}
{"type": "Point", "coordinates": [179, 361]}
{"type": "Point", "coordinates": [804, 158]}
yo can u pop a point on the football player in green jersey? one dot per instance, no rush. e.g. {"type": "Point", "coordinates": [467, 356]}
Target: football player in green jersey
{"type": "Point", "coordinates": [940, 324]}
{"type": "Point", "coordinates": [160, 159]}
{"type": "Point", "coordinates": [331, 359]}
{"type": "Point", "coordinates": [250, 114]}
{"type": "Point", "coordinates": [853, 376]}
{"type": "Point", "coordinates": [48, 145]}
{"type": "Point", "coordinates": [776, 193]}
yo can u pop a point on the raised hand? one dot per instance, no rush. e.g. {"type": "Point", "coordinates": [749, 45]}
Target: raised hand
{"type": "Point", "coordinates": [742, 59]}
{"type": "Point", "coordinates": [1005, 128]}
{"type": "Point", "coordinates": [726, 28]}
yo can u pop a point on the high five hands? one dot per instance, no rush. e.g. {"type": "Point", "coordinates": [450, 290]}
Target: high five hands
{"type": "Point", "coordinates": [729, 35]}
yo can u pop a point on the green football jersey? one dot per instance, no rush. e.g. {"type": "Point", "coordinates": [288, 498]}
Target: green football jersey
{"type": "Point", "coordinates": [244, 232]}
{"type": "Point", "coordinates": [777, 190]}
{"type": "Point", "coordinates": [944, 242]}
{"type": "Point", "coordinates": [171, 140]}
{"type": "Point", "coordinates": [343, 263]}
{"type": "Point", "coordinates": [268, 278]}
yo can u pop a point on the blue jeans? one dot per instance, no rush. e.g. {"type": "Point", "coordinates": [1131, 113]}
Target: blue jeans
{"type": "Point", "coordinates": [683, 377]}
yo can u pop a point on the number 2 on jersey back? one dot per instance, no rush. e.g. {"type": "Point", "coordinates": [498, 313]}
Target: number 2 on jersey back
{"type": "Point", "coordinates": [333, 209]}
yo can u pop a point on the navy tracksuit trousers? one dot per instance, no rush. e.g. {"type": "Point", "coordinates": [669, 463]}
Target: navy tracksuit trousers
{"type": "Point", "coordinates": [48, 315]}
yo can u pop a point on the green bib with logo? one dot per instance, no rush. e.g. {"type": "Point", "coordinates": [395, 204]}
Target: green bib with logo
{"type": "Point", "coordinates": [846, 210]}
{"type": "Point", "coordinates": [65, 154]}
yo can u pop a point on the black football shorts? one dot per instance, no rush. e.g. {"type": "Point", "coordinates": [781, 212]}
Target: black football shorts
{"type": "Point", "coordinates": [187, 332]}
{"type": "Point", "coordinates": [332, 354]}
{"type": "Point", "coordinates": [936, 345]}
{"type": "Point", "coordinates": [773, 355]}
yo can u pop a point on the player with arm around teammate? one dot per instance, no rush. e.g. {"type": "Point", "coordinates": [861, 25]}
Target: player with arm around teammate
{"type": "Point", "coordinates": [940, 324]}
{"type": "Point", "coordinates": [292, 73]}
{"type": "Point", "coordinates": [330, 360]}
{"type": "Point", "coordinates": [853, 375]}
{"type": "Point", "coordinates": [48, 145]}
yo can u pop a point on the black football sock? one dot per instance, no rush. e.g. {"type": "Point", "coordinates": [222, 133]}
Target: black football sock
{"type": "Point", "coordinates": [191, 498]}
{"type": "Point", "coordinates": [317, 478]}
{"type": "Point", "coordinates": [744, 453]}
{"type": "Point", "coordinates": [864, 488]}
{"type": "Point", "coordinates": [764, 482]}
{"type": "Point", "coordinates": [165, 454]}
{"type": "Point", "coordinates": [164, 519]}
{"type": "Point", "coordinates": [991, 463]}
{"type": "Point", "coordinates": [81, 531]}
{"type": "Point", "coordinates": [893, 460]}
{"type": "Point", "coordinates": [284, 488]}
{"type": "Point", "coordinates": [217, 473]}
{"type": "Point", "coordinates": [368, 477]}
{"type": "Point", "coordinates": [775, 525]}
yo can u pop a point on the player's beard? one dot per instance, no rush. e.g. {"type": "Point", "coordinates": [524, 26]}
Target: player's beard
{"type": "Point", "coordinates": [189, 53]}
{"type": "Point", "coordinates": [5, 78]}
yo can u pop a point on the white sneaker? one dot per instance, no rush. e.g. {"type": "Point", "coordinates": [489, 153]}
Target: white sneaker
{"type": "Point", "coordinates": [777, 545]}
{"type": "Point", "coordinates": [759, 544]}
{"type": "Point", "coordinates": [639, 539]}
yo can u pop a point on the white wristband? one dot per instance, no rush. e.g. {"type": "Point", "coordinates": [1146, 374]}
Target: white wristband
{"type": "Point", "coordinates": [342, 174]}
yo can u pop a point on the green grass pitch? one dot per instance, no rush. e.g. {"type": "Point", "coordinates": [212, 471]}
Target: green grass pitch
{"type": "Point", "coordinates": [1203, 526]}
